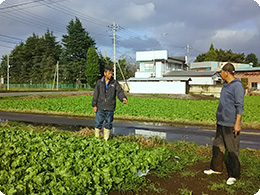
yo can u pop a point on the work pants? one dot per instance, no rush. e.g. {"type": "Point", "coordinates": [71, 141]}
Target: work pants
{"type": "Point", "coordinates": [226, 141]}
{"type": "Point", "coordinates": [104, 115]}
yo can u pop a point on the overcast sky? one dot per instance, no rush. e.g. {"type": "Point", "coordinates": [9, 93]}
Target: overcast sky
{"type": "Point", "coordinates": [143, 24]}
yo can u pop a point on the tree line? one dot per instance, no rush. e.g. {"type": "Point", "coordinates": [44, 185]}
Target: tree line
{"type": "Point", "coordinates": [227, 56]}
{"type": "Point", "coordinates": [34, 61]}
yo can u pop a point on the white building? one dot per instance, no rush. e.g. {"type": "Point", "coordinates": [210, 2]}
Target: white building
{"type": "Point", "coordinates": [162, 74]}
{"type": "Point", "coordinates": [157, 63]}
{"type": "Point", "coordinates": [149, 77]}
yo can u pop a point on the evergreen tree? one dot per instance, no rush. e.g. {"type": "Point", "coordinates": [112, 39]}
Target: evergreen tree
{"type": "Point", "coordinates": [200, 58]}
{"type": "Point", "coordinates": [76, 44]}
{"type": "Point", "coordinates": [104, 62]}
{"type": "Point", "coordinates": [34, 61]}
{"type": "Point", "coordinates": [211, 55]}
{"type": "Point", "coordinates": [52, 52]}
{"type": "Point", "coordinates": [3, 67]}
{"type": "Point", "coordinates": [221, 56]}
{"type": "Point", "coordinates": [92, 67]}
{"type": "Point", "coordinates": [253, 59]}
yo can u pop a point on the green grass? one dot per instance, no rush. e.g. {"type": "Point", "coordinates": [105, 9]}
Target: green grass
{"type": "Point", "coordinates": [188, 173]}
{"type": "Point", "coordinates": [185, 191]}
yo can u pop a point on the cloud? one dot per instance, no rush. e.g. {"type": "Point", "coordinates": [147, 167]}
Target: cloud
{"type": "Point", "coordinates": [151, 24]}
{"type": "Point", "coordinates": [258, 1]}
{"type": "Point", "coordinates": [137, 12]}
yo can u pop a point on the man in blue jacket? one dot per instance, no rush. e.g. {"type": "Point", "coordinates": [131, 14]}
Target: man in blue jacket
{"type": "Point", "coordinates": [104, 102]}
{"type": "Point", "coordinates": [229, 115]}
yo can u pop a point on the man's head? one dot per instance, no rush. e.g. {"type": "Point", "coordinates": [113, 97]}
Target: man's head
{"type": "Point", "coordinates": [108, 72]}
{"type": "Point", "coordinates": [227, 71]}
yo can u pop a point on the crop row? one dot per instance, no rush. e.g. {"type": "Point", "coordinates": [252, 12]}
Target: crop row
{"type": "Point", "coordinates": [48, 163]}
{"type": "Point", "coordinates": [194, 110]}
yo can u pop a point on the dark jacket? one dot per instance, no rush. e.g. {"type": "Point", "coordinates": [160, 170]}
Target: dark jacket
{"type": "Point", "coordinates": [106, 100]}
{"type": "Point", "coordinates": [231, 103]}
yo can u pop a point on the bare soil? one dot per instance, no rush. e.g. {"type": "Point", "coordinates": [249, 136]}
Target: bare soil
{"type": "Point", "coordinates": [198, 184]}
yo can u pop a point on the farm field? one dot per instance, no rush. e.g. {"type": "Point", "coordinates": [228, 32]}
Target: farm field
{"type": "Point", "coordinates": [48, 163]}
{"type": "Point", "coordinates": [45, 160]}
{"type": "Point", "coordinates": [200, 112]}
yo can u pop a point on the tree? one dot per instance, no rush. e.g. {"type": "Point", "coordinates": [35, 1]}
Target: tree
{"type": "Point", "coordinates": [130, 67]}
{"type": "Point", "coordinates": [3, 67]}
{"type": "Point", "coordinates": [122, 64]}
{"type": "Point", "coordinates": [104, 62]}
{"type": "Point", "coordinates": [221, 56]}
{"type": "Point", "coordinates": [34, 61]}
{"type": "Point", "coordinates": [200, 58]}
{"type": "Point", "coordinates": [252, 58]}
{"type": "Point", "coordinates": [51, 54]}
{"type": "Point", "coordinates": [211, 55]}
{"type": "Point", "coordinates": [76, 44]}
{"type": "Point", "coordinates": [92, 67]}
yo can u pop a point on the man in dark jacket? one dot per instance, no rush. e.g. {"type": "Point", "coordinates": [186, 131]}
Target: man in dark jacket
{"type": "Point", "coordinates": [229, 115]}
{"type": "Point", "coordinates": [104, 102]}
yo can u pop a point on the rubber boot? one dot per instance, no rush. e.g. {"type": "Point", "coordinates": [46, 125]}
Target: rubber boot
{"type": "Point", "coordinates": [106, 134]}
{"type": "Point", "coordinates": [97, 132]}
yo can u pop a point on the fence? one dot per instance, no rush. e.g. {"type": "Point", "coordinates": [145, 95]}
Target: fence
{"type": "Point", "coordinates": [46, 86]}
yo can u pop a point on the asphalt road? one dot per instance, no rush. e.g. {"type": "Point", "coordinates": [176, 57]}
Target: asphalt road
{"type": "Point", "coordinates": [200, 135]}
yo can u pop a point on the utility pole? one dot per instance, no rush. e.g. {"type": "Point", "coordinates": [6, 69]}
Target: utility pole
{"type": "Point", "coordinates": [57, 84]}
{"type": "Point", "coordinates": [56, 76]}
{"type": "Point", "coordinates": [188, 47]}
{"type": "Point", "coordinates": [123, 76]}
{"type": "Point", "coordinates": [114, 27]}
{"type": "Point", "coordinates": [8, 66]}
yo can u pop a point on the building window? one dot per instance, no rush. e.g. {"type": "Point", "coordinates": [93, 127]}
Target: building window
{"type": "Point", "coordinates": [148, 67]}
{"type": "Point", "coordinates": [253, 85]}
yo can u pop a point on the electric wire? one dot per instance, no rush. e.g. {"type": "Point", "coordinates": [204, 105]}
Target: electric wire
{"type": "Point", "coordinates": [11, 37]}
{"type": "Point", "coordinates": [40, 18]}
{"type": "Point", "coordinates": [71, 12]}
{"type": "Point", "coordinates": [20, 4]}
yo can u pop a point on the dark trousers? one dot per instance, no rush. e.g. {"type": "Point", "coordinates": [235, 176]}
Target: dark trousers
{"type": "Point", "coordinates": [104, 115]}
{"type": "Point", "coordinates": [226, 141]}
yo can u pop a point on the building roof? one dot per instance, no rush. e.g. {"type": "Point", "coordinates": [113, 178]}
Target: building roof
{"type": "Point", "coordinates": [247, 69]}
{"type": "Point", "coordinates": [190, 73]}
{"type": "Point", "coordinates": [153, 79]}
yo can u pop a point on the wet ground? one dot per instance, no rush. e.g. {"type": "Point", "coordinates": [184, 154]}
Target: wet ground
{"type": "Point", "coordinates": [169, 132]}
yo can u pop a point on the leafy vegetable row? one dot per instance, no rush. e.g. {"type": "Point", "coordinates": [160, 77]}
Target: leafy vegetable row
{"type": "Point", "coordinates": [195, 110]}
{"type": "Point", "coordinates": [48, 163]}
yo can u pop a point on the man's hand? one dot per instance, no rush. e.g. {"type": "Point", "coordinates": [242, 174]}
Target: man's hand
{"type": "Point", "coordinates": [95, 109]}
{"type": "Point", "coordinates": [237, 126]}
{"type": "Point", "coordinates": [124, 100]}
{"type": "Point", "coordinates": [237, 129]}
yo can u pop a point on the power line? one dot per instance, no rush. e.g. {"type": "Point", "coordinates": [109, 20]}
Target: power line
{"type": "Point", "coordinates": [28, 22]}
{"type": "Point", "coordinates": [33, 16]}
{"type": "Point", "coordinates": [31, 21]}
{"type": "Point", "coordinates": [5, 46]}
{"type": "Point", "coordinates": [69, 11]}
{"type": "Point", "coordinates": [6, 41]}
{"type": "Point", "coordinates": [10, 37]}
{"type": "Point", "coordinates": [20, 4]}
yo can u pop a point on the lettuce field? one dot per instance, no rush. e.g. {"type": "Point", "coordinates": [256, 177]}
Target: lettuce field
{"type": "Point", "coordinates": [137, 107]}
{"type": "Point", "coordinates": [51, 163]}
